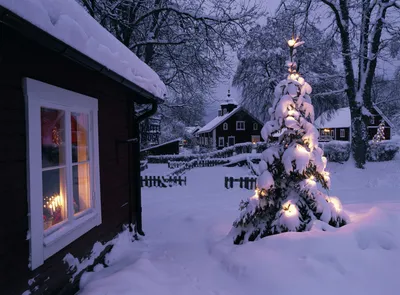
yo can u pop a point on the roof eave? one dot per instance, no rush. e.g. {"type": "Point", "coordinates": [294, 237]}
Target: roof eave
{"type": "Point", "coordinates": [36, 34]}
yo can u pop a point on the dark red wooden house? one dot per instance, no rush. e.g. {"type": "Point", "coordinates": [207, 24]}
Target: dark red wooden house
{"type": "Point", "coordinates": [234, 124]}
{"type": "Point", "coordinates": [337, 126]}
{"type": "Point", "coordinates": [69, 139]}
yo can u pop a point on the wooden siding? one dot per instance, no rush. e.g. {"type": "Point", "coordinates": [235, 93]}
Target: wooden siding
{"type": "Point", "coordinates": [21, 58]}
{"type": "Point", "coordinates": [240, 135]}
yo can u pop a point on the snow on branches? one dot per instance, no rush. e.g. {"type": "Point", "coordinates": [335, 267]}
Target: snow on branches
{"type": "Point", "coordinates": [287, 197]}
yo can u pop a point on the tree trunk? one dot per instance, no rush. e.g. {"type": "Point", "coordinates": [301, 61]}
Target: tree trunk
{"type": "Point", "coordinates": [359, 136]}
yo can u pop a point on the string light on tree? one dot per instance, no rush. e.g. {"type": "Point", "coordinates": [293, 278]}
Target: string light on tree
{"type": "Point", "coordinates": [380, 134]}
{"type": "Point", "coordinates": [287, 197]}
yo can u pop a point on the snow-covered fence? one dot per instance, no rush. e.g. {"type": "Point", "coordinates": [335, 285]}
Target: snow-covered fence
{"type": "Point", "coordinates": [143, 165]}
{"type": "Point", "coordinates": [382, 151]}
{"type": "Point", "coordinates": [247, 182]}
{"type": "Point", "coordinates": [162, 181]}
{"type": "Point", "coordinates": [183, 166]}
{"type": "Point", "coordinates": [163, 159]}
{"type": "Point", "coordinates": [175, 164]}
{"type": "Point", "coordinates": [253, 168]}
{"type": "Point", "coordinates": [240, 148]}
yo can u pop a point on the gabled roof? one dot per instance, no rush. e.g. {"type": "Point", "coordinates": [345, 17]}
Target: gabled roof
{"type": "Point", "coordinates": [67, 21]}
{"type": "Point", "coordinates": [214, 123]}
{"type": "Point", "coordinates": [341, 118]}
{"type": "Point", "coordinates": [383, 116]}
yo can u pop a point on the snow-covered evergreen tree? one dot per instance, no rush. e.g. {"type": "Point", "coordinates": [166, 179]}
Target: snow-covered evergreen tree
{"type": "Point", "coordinates": [287, 197]}
{"type": "Point", "coordinates": [380, 134]}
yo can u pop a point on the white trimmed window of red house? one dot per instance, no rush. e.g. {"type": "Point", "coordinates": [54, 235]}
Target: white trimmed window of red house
{"type": "Point", "coordinates": [225, 126]}
{"type": "Point", "coordinates": [240, 125]}
{"type": "Point", "coordinates": [342, 133]}
{"type": "Point", "coordinates": [221, 141]}
{"type": "Point", "coordinates": [255, 126]}
{"type": "Point", "coordinates": [64, 191]}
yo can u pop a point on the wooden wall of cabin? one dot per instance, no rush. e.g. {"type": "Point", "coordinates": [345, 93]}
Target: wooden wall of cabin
{"type": "Point", "coordinates": [21, 58]}
{"type": "Point", "coordinates": [240, 135]}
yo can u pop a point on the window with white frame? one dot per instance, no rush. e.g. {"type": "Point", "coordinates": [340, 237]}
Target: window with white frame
{"type": "Point", "coordinates": [63, 173]}
{"type": "Point", "coordinates": [221, 141]}
{"type": "Point", "coordinates": [255, 126]}
{"type": "Point", "coordinates": [342, 133]}
{"type": "Point", "coordinates": [225, 126]}
{"type": "Point", "coordinates": [240, 125]}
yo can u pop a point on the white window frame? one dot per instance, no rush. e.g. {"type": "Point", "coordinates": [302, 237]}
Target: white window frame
{"type": "Point", "coordinates": [238, 127]}
{"type": "Point", "coordinates": [221, 141]}
{"type": "Point", "coordinates": [255, 126]}
{"type": "Point", "coordinates": [37, 95]}
{"type": "Point", "coordinates": [224, 111]}
{"type": "Point", "coordinates": [225, 126]}
{"type": "Point", "coordinates": [342, 133]}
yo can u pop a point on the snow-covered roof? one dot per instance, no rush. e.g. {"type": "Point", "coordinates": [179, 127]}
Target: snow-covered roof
{"type": "Point", "coordinates": [161, 144]}
{"type": "Point", "coordinates": [191, 129]}
{"type": "Point", "coordinates": [217, 120]}
{"type": "Point", "coordinates": [68, 21]}
{"type": "Point", "coordinates": [340, 119]}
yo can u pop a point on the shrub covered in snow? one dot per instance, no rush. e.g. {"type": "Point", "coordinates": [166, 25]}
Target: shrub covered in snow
{"type": "Point", "coordinates": [337, 151]}
{"type": "Point", "coordinates": [287, 197]}
{"type": "Point", "coordinates": [382, 151]}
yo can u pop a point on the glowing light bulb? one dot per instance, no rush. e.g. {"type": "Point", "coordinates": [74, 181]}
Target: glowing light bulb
{"type": "Point", "coordinates": [289, 209]}
{"type": "Point", "coordinates": [291, 42]}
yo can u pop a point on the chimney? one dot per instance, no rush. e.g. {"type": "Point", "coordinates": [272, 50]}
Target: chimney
{"type": "Point", "coordinates": [228, 105]}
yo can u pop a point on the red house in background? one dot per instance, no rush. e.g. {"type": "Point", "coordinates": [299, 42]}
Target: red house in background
{"type": "Point", "coordinates": [337, 126]}
{"type": "Point", "coordinates": [70, 164]}
{"type": "Point", "coordinates": [234, 124]}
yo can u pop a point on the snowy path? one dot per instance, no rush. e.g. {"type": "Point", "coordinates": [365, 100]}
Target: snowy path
{"type": "Point", "coordinates": [186, 251]}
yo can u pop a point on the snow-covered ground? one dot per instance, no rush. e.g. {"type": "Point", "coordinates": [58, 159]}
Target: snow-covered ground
{"type": "Point", "coordinates": [187, 250]}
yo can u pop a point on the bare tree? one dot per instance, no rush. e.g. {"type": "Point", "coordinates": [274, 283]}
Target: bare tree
{"type": "Point", "coordinates": [365, 28]}
{"type": "Point", "coordinates": [184, 41]}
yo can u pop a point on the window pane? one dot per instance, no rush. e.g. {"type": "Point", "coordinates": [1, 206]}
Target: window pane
{"type": "Point", "coordinates": [53, 131]}
{"type": "Point", "coordinates": [79, 137]}
{"type": "Point", "coordinates": [54, 205]}
{"type": "Point", "coordinates": [81, 187]}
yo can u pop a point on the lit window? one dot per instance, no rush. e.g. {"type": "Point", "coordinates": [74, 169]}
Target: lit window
{"type": "Point", "coordinates": [255, 138]}
{"type": "Point", "coordinates": [342, 133]}
{"type": "Point", "coordinates": [255, 126]}
{"type": "Point", "coordinates": [221, 141]}
{"type": "Point", "coordinates": [240, 125]}
{"type": "Point", "coordinates": [64, 195]}
{"type": "Point", "coordinates": [225, 126]}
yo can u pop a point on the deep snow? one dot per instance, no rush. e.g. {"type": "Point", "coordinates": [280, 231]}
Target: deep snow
{"type": "Point", "coordinates": [187, 251]}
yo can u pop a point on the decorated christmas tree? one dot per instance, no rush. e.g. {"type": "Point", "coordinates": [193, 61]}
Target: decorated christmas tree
{"type": "Point", "coordinates": [380, 134]}
{"type": "Point", "coordinates": [287, 197]}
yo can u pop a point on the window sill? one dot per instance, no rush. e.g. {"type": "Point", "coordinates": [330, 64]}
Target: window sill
{"type": "Point", "coordinates": [69, 232]}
